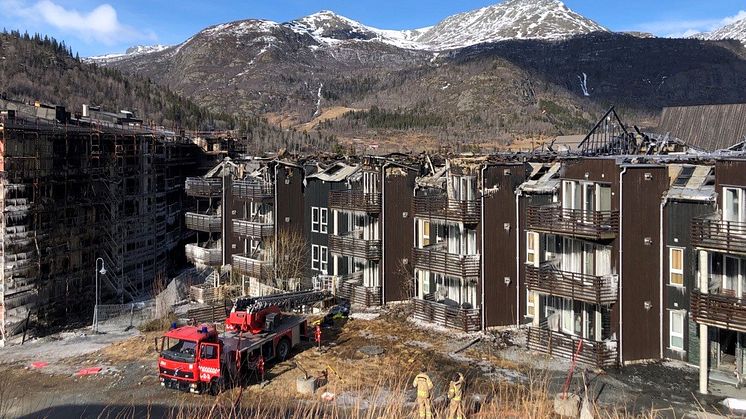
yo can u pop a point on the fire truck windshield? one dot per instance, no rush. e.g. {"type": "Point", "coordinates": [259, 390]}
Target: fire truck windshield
{"type": "Point", "coordinates": [180, 350]}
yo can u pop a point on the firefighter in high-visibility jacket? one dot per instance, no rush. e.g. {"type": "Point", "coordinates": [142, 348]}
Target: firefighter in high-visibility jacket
{"type": "Point", "coordinates": [455, 393]}
{"type": "Point", "coordinates": [424, 386]}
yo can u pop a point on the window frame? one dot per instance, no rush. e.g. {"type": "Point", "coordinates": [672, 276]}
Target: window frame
{"type": "Point", "coordinates": [315, 219]}
{"type": "Point", "coordinates": [672, 334]}
{"type": "Point", "coordinates": [315, 257]}
{"type": "Point", "coordinates": [671, 270]}
{"type": "Point", "coordinates": [324, 220]}
{"type": "Point", "coordinates": [324, 259]}
{"type": "Point", "coordinates": [531, 309]}
{"type": "Point", "coordinates": [532, 250]}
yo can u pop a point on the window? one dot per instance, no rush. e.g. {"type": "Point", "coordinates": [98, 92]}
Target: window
{"type": "Point", "coordinates": [676, 266]}
{"type": "Point", "coordinates": [531, 298]}
{"type": "Point", "coordinates": [676, 329]}
{"type": "Point", "coordinates": [324, 266]}
{"type": "Point", "coordinates": [425, 233]}
{"type": "Point", "coordinates": [532, 248]}
{"type": "Point", "coordinates": [315, 219]}
{"type": "Point", "coordinates": [732, 208]}
{"type": "Point", "coordinates": [315, 259]}
{"type": "Point", "coordinates": [324, 220]}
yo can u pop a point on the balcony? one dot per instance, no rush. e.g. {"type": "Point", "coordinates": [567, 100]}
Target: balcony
{"type": "Point", "coordinates": [548, 280]}
{"type": "Point", "coordinates": [719, 310]}
{"type": "Point", "coordinates": [596, 354]}
{"type": "Point", "coordinates": [204, 222]}
{"type": "Point", "coordinates": [442, 208]}
{"type": "Point", "coordinates": [437, 259]}
{"type": "Point", "coordinates": [204, 256]}
{"type": "Point", "coordinates": [254, 268]}
{"type": "Point", "coordinates": [256, 230]}
{"type": "Point", "coordinates": [430, 311]}
{"type": "Point", "coordinates": [719, 235]}
{"type": "Point", "coordinates": [354, 245]}
{"type": "Point", "coordinates": [351, 288]}
{"type": "Point", "coordinates": [595, 225]}
{"type": "Point", "coordinates": [355, 200]}
{"type": "Point", "coordinates": [204, 188]}
{"type": "Point", "coordinates": [253, 190]}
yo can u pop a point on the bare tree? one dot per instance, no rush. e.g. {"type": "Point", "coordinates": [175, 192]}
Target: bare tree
{"type": "Point", "coordinates": [290, 256]}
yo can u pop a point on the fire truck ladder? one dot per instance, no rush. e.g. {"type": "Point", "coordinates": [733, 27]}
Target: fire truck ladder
{"type": "Point", "coordinates": [286, 301]}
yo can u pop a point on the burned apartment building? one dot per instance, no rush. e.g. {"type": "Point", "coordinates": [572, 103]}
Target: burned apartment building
{"type": "Point", "coordinates": [370, 241]}
{"type": "Point", "coordinates": [80, 194]}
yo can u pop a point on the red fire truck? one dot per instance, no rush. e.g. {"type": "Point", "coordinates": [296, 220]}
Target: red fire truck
{"type": "Point", "coordinates": [199, 359]}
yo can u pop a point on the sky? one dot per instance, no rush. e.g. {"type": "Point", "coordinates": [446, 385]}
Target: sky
{"type": "Point", "coordinates": [94, 27]}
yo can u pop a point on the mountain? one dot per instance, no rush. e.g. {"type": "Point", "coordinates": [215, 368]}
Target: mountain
{"type": "Point", "coordinates": [130, 52]}
{"type": "Point", "coordinates": [512, 19]}
{"type": "Point", "coordinates": [735, 30]}
{"type": "Point", "coordinates": [521, 68]}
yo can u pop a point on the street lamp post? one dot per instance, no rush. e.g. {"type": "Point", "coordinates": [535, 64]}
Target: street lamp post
{"type": "Point", "coordinates": [102, 271]}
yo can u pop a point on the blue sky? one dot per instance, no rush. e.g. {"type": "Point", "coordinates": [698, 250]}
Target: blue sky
{"type": "Point", "coordinates": [94, 27]}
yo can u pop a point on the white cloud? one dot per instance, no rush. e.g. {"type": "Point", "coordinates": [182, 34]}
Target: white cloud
{"type": "Point", "coordinates": [101, 24]}
{"type": "Point", "coordinates": [687, 27]}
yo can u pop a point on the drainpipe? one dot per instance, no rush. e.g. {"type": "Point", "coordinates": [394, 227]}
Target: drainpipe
{"type": "Point", "coordinates": [481, 259]}
{"type": "Point", "coordinates": [382, 226]}
{"type": "Point", "coordinates": [621, 264]}
{"type": "Point", "coordinates": [661, 279]}
{"type": "Point", "coordinates": [518, 233]}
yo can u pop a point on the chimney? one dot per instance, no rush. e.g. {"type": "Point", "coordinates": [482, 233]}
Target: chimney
{"type": "Point", "coordinates": [85, 111]}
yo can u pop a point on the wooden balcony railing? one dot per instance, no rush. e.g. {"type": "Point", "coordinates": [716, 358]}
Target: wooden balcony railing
{"type": "Point", "coordinates": [254, 268]}
{"type": "Point", "coordinates": [442, 208]}
{"type": "Point", "coordinates": [355, 200]}
{"type": "Point", "coordinates": [256, 230]}
{"type": "Point", "coordinates": [719, 310]}
{"type": "Point", "coordinates": [351, 288]}
{"type": "Point", "coordinates": [716, 234]}
{"type": "Point", "coordinates": [253, 190]}
{"type": "Point", "coordinates": [439, 261]}
{"type": "Point", "coordinates": [354, 245]}
{"type": "Point", "coordinates": [588, 288]}
{"type": "Point", "coordinates": [204, 188]}
{"type": "Point", "coordinates": [598, 354]}
{"type": "Point", "coordinates": [204, 222]}
{"type": "Point", "coordinates": [203, 256]}
{"type": "Point", "coordinates": [467, 320]}
{"type": "Point", "coordinates": [598, 225]}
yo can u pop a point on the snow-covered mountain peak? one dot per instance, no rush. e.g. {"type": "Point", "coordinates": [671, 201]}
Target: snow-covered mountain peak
{"type": "Point", "coordinates": [735, 30]}
{"type": "Point", "coordinates": [511, 19]}
{"type": "Point", "coordinates": [130, 52]}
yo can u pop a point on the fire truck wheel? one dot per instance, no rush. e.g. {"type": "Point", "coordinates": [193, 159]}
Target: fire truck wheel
{"type": "Point", "coordinates": [283, 349]}
{"type": "Point", "coordinates": [216, 386]}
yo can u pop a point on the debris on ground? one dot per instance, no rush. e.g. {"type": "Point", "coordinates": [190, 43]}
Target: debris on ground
{"type": "Point", "coordinates": [372, 350]}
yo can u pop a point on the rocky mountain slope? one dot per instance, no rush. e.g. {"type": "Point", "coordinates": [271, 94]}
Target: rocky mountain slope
{"type": "Point", "coordinates": [557, 79]}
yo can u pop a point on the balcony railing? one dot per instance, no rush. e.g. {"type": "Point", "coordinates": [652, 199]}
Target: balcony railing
{"type": "Point", "coordinates": [588, 288]}
{"type": "Point", "coordinates": [440, 261]}
{"type": "Point", "coordinates": [355, 200]}
{"type": "Point", "coordinates": [253, 190]}
{"type": "Point", "coordinates": [204, 188]}
{"type": "Point", "coordinates": [719, 310]}
{"type": "Point", "coordinates": [254, 268]}
{"type": "Point", "coordinates": [598, 354]}
{"type": "Point", "coordinates": [351, 288]}
{"type": "Point", "coordinates": [430, 311]}
{"type": "Point", "coordinates": [203, 256]}
{"type": "Point", "coordinates": [725, 236]}
{"type": "Point", "coordinates": [204, 222]}
{"type": "Point", "coordinates": [442, 208]}
{"type": "Point", "coordinates": [354, 245]}
{"type": "Point", "coordinates": [256, 230]}
{"type": "Point", "coordinates": [598, 225]}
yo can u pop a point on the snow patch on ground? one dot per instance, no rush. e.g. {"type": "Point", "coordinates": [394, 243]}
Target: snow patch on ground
{"type": "Point", "coordinates": [365, 316]}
